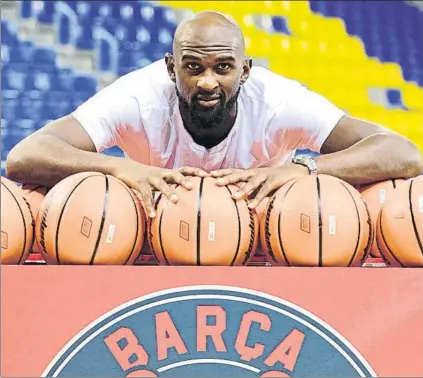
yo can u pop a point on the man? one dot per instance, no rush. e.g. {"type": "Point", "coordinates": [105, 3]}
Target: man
{"type": "Point", "coordinates": [205, 110]}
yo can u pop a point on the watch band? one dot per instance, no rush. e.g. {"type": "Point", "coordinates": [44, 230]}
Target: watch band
{"type": "Point", "coordinates": [306, 161]}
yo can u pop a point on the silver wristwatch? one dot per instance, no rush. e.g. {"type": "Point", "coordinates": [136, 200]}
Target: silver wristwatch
{"type": "Point", "coordinates": [308, 161]}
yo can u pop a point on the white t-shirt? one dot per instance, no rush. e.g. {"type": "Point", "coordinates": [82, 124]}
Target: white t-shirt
{"type": "Point", "coordinates": [139, 112]}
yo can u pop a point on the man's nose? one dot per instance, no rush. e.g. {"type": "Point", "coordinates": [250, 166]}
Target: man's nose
{"type": "Point", "coordinates": [207, 82]}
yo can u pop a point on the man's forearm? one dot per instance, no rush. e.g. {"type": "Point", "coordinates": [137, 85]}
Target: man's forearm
{"type": "Point", "coordinates": [46, 160]}
{"type": "Point", "coordinates": [375, 158]}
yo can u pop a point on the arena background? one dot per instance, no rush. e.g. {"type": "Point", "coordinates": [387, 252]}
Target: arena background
{"type": "Point", "coordinates": [365, 56]}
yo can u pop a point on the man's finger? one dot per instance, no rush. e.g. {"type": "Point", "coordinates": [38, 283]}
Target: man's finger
{"type": "Point", "coordinates": [190, 171]}
{"type": "Point", "coordinates": [265, 191]}
{"type": "Point", "coordinates": [147, 199]}
{"type": "Point", "coordinates": [224, 172]}
{"type": "Point", "coordinates": [163, 187]}
{"type": "Point", "coordinates": [176, 177]}
{"type": "Point", "coordinates": [234, 178]}
{"type": "Point", "coordinates": [250, 186]}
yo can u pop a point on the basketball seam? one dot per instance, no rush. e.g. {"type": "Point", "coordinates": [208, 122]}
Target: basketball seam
{"type": "Point", "coordinates": [43, 224]}
{"type": "Point", "coordinates": [23, 220]}
{"type": "Point", "coordinates": [56, 244]}
{"type": "Point", "coordinates": [416, 231]}
{"type": "Point", "coordinates": [319, 208]}
{"type": "Point", "coordinates": [280, 221]}
{"type": "Point", "coordinates": [267, 233]}
{"type": "Point", "coordinates": [160, 228]}
{"type": "Point", "coordinates": [160, 234]}
{"type": "Point", "coordinates": [372, 234]}
{"type": "Point", "coordinates": [359, 225]}
{"type": "Point", "coordinates": [150, 231]}
{"type": "Point", "coordinates": [103, 218]}
{"type": "Point", "coordinates": [239, 227]}
{"type": "Point", "coordinates": [252, 235]}
{"type": "Point", "coordinates": [137, 216]}
{"type": "Point", "coordinates": [385, 242]}
{"type": "Point", "coordinates": [200, 193]}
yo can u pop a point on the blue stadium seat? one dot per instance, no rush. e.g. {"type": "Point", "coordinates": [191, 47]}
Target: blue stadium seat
{"type": "Point", "coordinates": [279, 25]}
{"type": "Point", "coordinates": [21, 53]}
{"type": "Point", "coordinates": [85, 39]}
{"type": "Point", "coordinates": [26, 9]}
{"type": "Point", "coordinates": [6, 144]}
{"type": "Point", "coordinates": [8, 33]}
{"type": "Point", "coordinates": [60, 81]}
{"type": "Point", "coordinates": [44, 55]}
{"type": "Point", "coordinates": [12, 77]}
{"type": "Point", "coordinates": [56, 105]}
{"type": "Point", "coordinates": [5, 54]}
{"type": "Point", "coordinates": [17, 130]}
{"type": "Point", "coordinates": [394, 98]}
{"type": "Point", "coordinates": [40, 81]}
{"type": "Point", "coordinates": [46, 14]}
{"type": "Point", "coordinates": [30, 109]}
{"type": "Point", "coordinates": [84, 83]}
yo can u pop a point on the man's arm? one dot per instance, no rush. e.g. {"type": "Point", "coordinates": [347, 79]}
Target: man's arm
{"type": "Point", "coordinates": [361, 152]}
{"type": "Point", "coordinates": [356, 151]}
{"type": "Point", "coordinates": [56, 151]}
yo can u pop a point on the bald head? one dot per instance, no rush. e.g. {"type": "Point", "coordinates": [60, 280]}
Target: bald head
{"type": "Point", "coordinates": [209, 28]}
{"type": "Point", "coordinates": [208, 67]}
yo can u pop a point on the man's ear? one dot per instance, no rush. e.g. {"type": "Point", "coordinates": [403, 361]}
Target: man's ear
{"type": "Point", "coordinates": [248, 62]}
{"type": "Point", "coordinates": [170, 64]}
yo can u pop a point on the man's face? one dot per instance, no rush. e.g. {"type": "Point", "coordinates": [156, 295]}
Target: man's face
{"type": "Point", "coordinates": [209, 67]}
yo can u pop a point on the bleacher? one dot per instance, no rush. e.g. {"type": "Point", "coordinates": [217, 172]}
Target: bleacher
{"type": "Point", "coordinates": [366, 57]}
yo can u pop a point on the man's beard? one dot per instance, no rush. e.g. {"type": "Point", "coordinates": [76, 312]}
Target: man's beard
{"type": "Point", "coordinates": [201, 118]}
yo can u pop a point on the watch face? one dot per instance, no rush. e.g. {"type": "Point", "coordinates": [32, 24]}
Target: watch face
{"type": "Point", "coordinates": [302, 158]}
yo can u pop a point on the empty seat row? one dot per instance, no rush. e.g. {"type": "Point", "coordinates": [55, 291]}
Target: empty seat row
{"type": "Point", "coordinates": [12, 78]}
{"type": "Point", "coordinates": [391, 31]}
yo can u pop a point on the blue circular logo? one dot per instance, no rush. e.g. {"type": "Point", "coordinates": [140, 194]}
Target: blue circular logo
{"type": "Point", "coordinates": [208, 331]}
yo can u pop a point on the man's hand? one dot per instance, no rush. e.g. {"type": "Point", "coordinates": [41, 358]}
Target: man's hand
{"type": "Point", "coordinates": [145, 179]}
{"type": "Point", "coordinates": [263, 181]}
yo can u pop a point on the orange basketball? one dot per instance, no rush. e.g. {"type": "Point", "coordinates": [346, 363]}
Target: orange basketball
{"type": "Point", "coordinates": [316, 221]}
{"type": "Point", "coordinates": [261, 210]}
{"type": "Point", "coordinates": [205, 227]}
{"type": "Point", "coordinates": [90, 218]}
{"type": "Point", "coordinates": [399, 232]}
{"type": "Point", "coordinates": [17, 225]}
{"type": "Point", "coordinates": [375, 196]}
{"type": "Point", "coordinates": [34, 194]}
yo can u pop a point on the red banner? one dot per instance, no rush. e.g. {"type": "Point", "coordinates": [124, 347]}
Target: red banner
{"type": "Point", "coordinates": [188, 321]}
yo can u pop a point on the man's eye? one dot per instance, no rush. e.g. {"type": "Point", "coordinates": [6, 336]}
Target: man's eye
{"type": "Point", "coordinates": [193, 66]}
{"type": "Point", "coordinates": [224, 66]}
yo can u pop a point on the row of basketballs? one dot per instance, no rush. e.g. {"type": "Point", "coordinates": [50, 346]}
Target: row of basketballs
{"type": "Point", "coordinates": [92, 218]}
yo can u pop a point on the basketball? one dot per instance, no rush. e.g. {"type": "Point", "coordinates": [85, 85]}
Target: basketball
{"type": "Point", "coordinates": [206, 227]}
{"type": "Point", "coordinates": [17, 225]}
{"type": "Point", "coordinates": [375, 196]}
{"type": "Point", "coordinates": [90, 218]}
{"type": "Point", "coordinates": [316, 221]}
{"type": "Point", "coordinates": [399, 232]}
{"type": "Point", "coordinates": [34, 194]}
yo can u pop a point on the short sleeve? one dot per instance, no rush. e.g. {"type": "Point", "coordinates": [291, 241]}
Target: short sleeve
{"type": "Point", "coordinates": [305, 118]}
{"type": "Point", "coordinates": [112, 109]}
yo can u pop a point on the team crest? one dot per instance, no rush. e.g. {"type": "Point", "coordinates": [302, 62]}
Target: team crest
{"type": "Point", "coordinates": [208, 331]}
